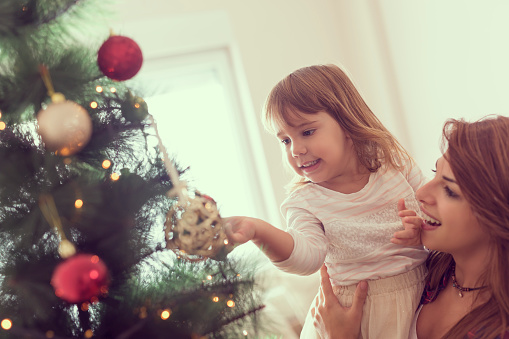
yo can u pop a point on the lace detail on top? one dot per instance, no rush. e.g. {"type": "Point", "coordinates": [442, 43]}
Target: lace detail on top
{"type": "Point", "coordinates": [355, 238]}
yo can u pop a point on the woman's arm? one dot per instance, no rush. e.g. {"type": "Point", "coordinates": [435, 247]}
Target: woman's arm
{"type": "Point", "coordinates": [331, 319]}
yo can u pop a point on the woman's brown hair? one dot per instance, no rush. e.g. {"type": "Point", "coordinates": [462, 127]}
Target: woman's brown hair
{"type": "Point", "coordinates": [478, 154]}
{"type": "Point", "coordinates": [326, 88]}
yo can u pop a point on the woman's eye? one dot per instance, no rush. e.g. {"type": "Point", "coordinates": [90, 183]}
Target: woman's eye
{"type": "Point", "coordinates": [308, 132]}
{"type": "Point", "coordinates": [450, 192]}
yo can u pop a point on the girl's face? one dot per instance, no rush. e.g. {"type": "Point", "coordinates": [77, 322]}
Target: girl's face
{"type": "Point", "coordinates": [450, 225]}
{"type": "Point", "coordinates": [318, 149]}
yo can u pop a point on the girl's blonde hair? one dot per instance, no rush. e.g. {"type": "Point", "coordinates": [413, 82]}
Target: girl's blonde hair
{"type": "Point", "coordinates": [478, 154]}
{"type": "Point", "coordinates": [326, 88]}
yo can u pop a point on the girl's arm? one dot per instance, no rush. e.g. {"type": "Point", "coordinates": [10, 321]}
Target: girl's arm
{"type": "Point", "coordinates": [274, 242]}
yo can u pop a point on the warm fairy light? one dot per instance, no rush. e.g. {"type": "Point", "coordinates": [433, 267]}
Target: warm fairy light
{"type": "Point", "coordinates": [215, 299]}
{"type": "Point", "coordinates": [99, 89]}
{"type": "Point", "coordinates": [78, 203]}
{"type": "Point", "coordinates": [115, 176]}
{"type": "Point", "coordinates": [238, 275]}
{"type": "Point", "coordinates": [106, 164]}
{"type": "Point", "coordinates": [244, 333]}
{"type": "Point", "coordinates": [165, 314]}
{"type": "Point", "coordinates": [67, 161]}
{"type": "Point", "coordinates": [6, 324]}
{"type": "Point", "coordinates": [209, 277]}
{"type": "Point", "coordinates": [94, 300]}
{"type": "Point", "coordinates": [0, 114]}
{"type": "Point", "coordinates": [230, 303]}
{"type": "Point", "coordinates": [2, 125]}
{"type": "Point", "coordinates": [84, 307]}
{"type": "Point", "coordinates": [113, 90]}
{"type": "Point", "coordinates": [93, 104]}
{"type": "Point", "coordinates": [136, 105]}
{"type": "Point", "coordinates": [94, 274]}
{"type": "Point", "coordinates": [89, 334]}
{"type": "Point", "coordinates": [94, 259]}
{"type": "Point", "coordinates": [50, 334]}
{"type": "Point", "coordinates": [225, 241]}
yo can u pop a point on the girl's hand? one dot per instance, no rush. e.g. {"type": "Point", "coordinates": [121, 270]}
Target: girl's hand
{"type": "Point", "coordinates": [240, 230]}
{"type": "Point", "coordinates": [331, 319]}
{"type": "Point", "coordinates": [411, 235]}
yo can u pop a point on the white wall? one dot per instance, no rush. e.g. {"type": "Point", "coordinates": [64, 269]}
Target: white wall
{"type": "Point", "coordinates": [450, 59]}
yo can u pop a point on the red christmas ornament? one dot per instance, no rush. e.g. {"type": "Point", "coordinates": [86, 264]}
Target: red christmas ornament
{"type": "Point", "coordinates": [82, 277]}
{"type": "Point", "coordinates": [119, 58]}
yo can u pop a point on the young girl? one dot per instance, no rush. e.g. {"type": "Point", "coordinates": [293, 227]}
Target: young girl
{"type": "Point", "coordinates": [343, 205]}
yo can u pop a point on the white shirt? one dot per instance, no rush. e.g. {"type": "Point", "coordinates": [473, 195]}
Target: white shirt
{"type": "Point", "coordinates": [351, 232]}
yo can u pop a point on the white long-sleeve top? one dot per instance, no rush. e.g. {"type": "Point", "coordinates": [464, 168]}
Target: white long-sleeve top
{"type": "Point", "coordinates": [351, 232]}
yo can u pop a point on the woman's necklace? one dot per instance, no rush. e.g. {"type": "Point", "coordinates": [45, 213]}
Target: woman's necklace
{"type": "Point", "coordinates": [460, 288]}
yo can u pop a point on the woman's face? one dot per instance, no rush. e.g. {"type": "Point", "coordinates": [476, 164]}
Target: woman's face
{"type": "Point", "coordinates": [450, 225]}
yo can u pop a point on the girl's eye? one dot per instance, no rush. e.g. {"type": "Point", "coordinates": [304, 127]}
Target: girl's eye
{"type": "Point", "coordinates": [450, 193]}
{"type": "Point", "coordinates": [285, 141]}
{"type": "Point", "coordinates": [308, 132]}
{"type": "Point", "coordinates": [434, 171]}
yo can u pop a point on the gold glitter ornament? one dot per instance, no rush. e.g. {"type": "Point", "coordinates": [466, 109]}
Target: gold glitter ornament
{"type": "Point", "coordinates": [195, 231]}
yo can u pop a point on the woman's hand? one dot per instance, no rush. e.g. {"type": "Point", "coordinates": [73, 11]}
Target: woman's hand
{"type": "Point", "coordinates": [331, 319]}
{"type": "Point", "coordinates": [411, 235]}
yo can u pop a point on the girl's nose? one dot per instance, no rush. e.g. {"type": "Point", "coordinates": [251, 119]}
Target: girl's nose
{"type": "Point", "coordinates": [298, 148]}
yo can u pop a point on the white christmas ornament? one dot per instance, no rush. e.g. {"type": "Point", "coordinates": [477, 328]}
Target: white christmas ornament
{"type": "Point", "coordinates": [65, 127]}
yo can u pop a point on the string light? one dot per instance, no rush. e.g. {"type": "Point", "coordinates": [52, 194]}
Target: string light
{"type": "Point", "coordinates": [93, 104]}
{"type": "Point", "coordinates": [244, 333]}
{"type": "Point", "coordinates": [94, 259]}
{"type": "Point", "coordinates": [78, 203]}
{"type": "Point", "coordinates": [94, 274]}
{"type": "Point", "coordinates": [106, 164]}
{"type": "Point", "coordinates": [215, 299]}
{"type": "Point", "coordinates": [84, 307]}
{"type": "Point", "coordinates": [165, 314]}
{"type": "Point", "coordinates": [113, 90]}
{"type": "Point", "coordinates": [99, 89]}
{"type": "Point", "coordinates": [2, 125]}
{"type": "Point", "coordinates": [209, 277]}
{"type": "Point", "coordinates": [89, 334]}
{"type": "Point", "coordinates": [115, 176]}
{"type": "Point", "coordinates": [230, 303]}
{"type": "Point", "coordinates": [67, 161]}
{"type": "Point", "coordinates": [6, 324]}
{"type": "Point", "coordinates": [50, 334]}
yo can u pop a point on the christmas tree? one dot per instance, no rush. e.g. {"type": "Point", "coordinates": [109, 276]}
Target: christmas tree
{"type": "Point", "coordinates": [99, 235]}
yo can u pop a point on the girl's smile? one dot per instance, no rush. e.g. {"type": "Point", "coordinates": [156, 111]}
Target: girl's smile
{"type": "Point", "coordinates": [310, 166]}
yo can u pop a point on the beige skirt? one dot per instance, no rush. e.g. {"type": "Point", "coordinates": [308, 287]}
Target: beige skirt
{"type": "Point", "coordinates": [389, 307]}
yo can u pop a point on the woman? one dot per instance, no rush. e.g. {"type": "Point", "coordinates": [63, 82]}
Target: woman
{"type": "Point", "coordinates": [466, 229]}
